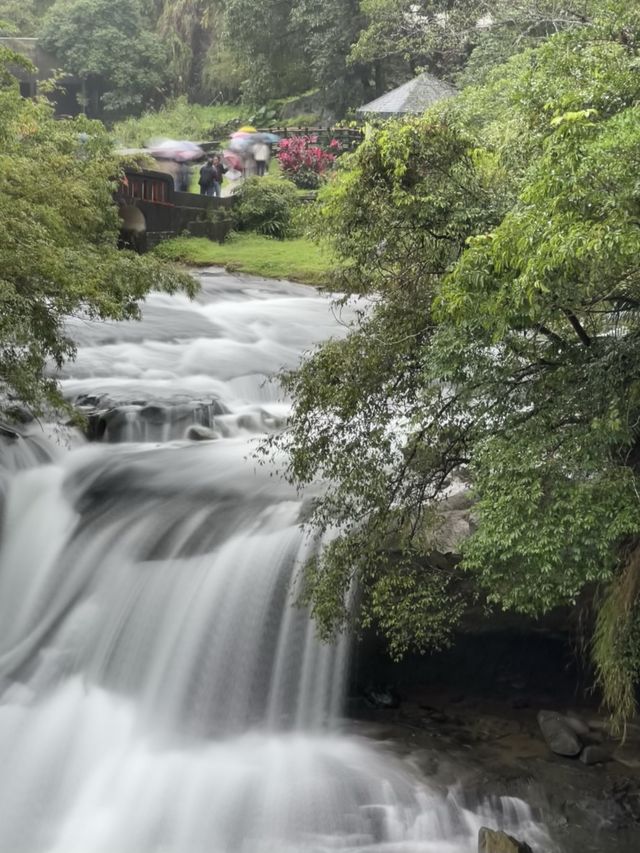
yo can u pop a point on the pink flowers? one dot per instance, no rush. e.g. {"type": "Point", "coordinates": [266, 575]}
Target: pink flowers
{"type": "Point", "coordinates": [304, 161]}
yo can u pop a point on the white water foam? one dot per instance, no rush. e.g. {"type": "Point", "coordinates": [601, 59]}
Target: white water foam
{"type": "Point", "coordinates": [159, 690]}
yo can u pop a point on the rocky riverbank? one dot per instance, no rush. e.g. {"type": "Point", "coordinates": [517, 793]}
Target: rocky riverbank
{"type": "Point", "coordinates": [479, 728]}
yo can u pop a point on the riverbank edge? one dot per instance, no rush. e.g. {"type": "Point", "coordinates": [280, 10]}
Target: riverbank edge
{"type": "Point", "coordinates": [297, 259]}
{"type": "Point", "coordinates": [487, 750]}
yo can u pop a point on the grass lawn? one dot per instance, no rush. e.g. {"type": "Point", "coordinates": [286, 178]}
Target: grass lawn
{"type": "Point", "coordinates": [297, 259]}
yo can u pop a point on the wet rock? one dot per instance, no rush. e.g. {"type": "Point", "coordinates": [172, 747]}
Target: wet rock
{"type": "Point", "coordinates": [491, 841]}
{"type": "Point", "coordinates": [8, 432]}
{"type": "Point", "coordinates": [384, 697]}
{"type": "Point", "coordinates": [154, 414]}
{"type": "Point", "coordinates": [558, 734]}
{"type": "Point", "coordinates": [595, 755]}
{"type": "Point", "coordinates": [197, 432]}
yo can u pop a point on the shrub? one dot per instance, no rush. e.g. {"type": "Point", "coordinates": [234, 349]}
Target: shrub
{"type": "Point", "coordinates": [266, 205]}
{"type": "Point", "coordinates": [304, 161]}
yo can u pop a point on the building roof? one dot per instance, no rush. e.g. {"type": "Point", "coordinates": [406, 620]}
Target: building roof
{"type": "Point", "coordinates": [415, 97]}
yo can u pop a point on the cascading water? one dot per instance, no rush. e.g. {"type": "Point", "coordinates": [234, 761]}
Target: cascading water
{"type": "Point", "coordinates": [159, 691]}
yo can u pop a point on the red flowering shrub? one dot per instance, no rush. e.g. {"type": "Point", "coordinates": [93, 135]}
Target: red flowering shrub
{"type": "Point", "coordinates": [304, 161]}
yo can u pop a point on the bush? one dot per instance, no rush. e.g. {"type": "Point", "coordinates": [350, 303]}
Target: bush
{"type": "Point", "coordinates": [304, 161]}
{"type": "Point", "coordinates": [266, 206]}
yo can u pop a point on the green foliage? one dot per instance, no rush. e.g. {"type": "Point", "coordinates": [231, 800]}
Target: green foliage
{"type": "Point", "coordinates": [616, 643]}
{"type": "Point", "coordinates": [266, 206]}
{"type": "Point", "coordinates": [185, 27]}
{"type": "Point", "coordinates": [326, 30]}
{"type": "Point", "coordinates": [496, 241]}
{"type": "Point", "coordinates": [108, 45]}
{"type": "Point", "coordinates": [261, 35]}
{"type": "Point", "coordinates": [443, 36]}
{"type": "Point", "coordinates": [21, 17]}
{"type": "Point", "coordinates": [178, 119]}
{"type": "Point", "coordinates": [58, 244]}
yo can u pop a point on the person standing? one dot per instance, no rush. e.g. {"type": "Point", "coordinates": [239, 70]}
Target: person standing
{"type": "Point", "coordinates": [218, 170]}
{"type": "Point", "coordinates": [207, 177]}
{"type": "Point", "coordinates": [261, 154]}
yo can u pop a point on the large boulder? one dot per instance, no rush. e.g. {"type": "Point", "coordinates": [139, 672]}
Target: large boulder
{"type": "Point", "coordinates": [558, 733]}
{"type": "Point", "coordinates": [492, 841]}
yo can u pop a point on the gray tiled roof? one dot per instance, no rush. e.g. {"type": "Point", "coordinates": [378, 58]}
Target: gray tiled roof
{"type": "Point", "coordinates": [416, 96]}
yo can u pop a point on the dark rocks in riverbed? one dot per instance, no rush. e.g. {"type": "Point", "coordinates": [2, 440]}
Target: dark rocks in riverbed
{"type": "Point", "coordinates": [594, 754]}
{"type": "Point", "coordinates": [492, 841]}
{"type": "Point", "coordinates": [568, 735]}
{"type": "Point", "coordinates": [384, 697]}
{"type": "Point", "coordinates": [559, 735]}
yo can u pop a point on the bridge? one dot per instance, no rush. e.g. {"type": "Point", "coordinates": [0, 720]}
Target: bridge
{"type": "Point", "coordinates": [152, 210]}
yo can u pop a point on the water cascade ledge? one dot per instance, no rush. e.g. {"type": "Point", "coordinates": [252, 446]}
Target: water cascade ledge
{"type": "Point", "coordinates": [159, 691]}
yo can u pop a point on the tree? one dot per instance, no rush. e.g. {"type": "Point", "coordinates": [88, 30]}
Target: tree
{"type": "Point", "coordinates": [261, 35]}
{"type": "Point", "coordinates": [443, 35]}
{"type": "Point", "coordinates": [327, 30]}
{"type": "Point", "coordinates": [58, 244]}
{"type": "Point", "coordinates": [110, 47]}
{"type": "Point", "coordinates": [21, 17]}
{"type": "Point", "coordinates": [497, 242]}
{"type": "Point", "coordinates": [191, 30]}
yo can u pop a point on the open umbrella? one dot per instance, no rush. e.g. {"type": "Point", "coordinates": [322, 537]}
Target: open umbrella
{"type": "Point", "coordinates": [173, 149]}
{"type": "Point", "coordinates": [232, 160]}
{"type": "Point", "coordinates": [240, 142]}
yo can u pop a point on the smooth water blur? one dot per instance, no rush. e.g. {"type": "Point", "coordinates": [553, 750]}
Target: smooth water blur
{"type": "Point", "coordinates": [160, 689]}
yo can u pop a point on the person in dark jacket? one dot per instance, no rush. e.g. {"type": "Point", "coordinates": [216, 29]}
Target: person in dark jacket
{"type": "Point", "coordinates": [219, 171]}
{"type": "Point", "coordinates": [211, 176]}
{"type": "Point", "coordinates": [207, 178]}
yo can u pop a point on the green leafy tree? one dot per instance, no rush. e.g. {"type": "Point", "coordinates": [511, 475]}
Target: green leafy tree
{"type": "Point", "coordinates": [497, 243]}
{"type": "Point", "coordinates": [327, 30]}
{"type": "Point", "coordinates": [58, 244]}
{"type": "Point", "coordinates": [109, 45]}
{"type": "Point", "coordinates": [21, 17]}
{"type": "Point", "coordinates": [192, 30]}
{"type": "Point", "coordinates": [443, 35]}
{"type": "Point", "coordinates": [262, 37]}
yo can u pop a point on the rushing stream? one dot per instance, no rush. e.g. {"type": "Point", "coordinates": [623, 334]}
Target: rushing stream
{"type": "Point", "coordinates": [159, 691]}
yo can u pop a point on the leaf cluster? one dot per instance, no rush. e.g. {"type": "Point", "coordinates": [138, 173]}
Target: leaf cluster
{"type": "Point", "coordinates": [58, 244]}
{"type": "Point", "coordinates": [494, 245]}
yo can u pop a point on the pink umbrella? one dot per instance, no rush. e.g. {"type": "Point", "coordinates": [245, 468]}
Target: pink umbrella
{"type": "Point", "coordinates": [233, 160]}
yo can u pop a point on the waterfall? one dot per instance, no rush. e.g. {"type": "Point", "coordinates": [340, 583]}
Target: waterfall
{"type": "Point", "coordinates": [160, 688]}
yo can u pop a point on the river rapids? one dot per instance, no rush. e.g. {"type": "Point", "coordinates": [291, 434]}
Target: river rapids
{"type": "Point", "coordinates": [158, 691]}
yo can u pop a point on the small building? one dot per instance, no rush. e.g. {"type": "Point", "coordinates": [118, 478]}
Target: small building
{"type": "Point", "coordinates": [412, 98]}
{"type": "Point", "coordinates": [65, 97]}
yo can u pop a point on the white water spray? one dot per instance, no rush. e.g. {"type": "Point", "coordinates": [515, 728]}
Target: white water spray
{"type": "Point", "coordinates": [159, 690]}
